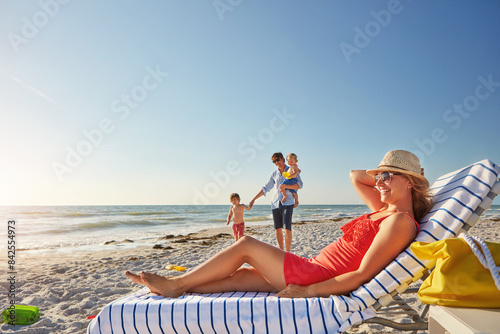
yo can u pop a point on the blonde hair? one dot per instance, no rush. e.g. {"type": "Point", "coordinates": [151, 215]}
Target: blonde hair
{"type": "Point", "coordinates": [422, 197]}
{"type": "Point", "coordinates": [293, 156]}
{"type": "Point", "coordinates": [234, 195]}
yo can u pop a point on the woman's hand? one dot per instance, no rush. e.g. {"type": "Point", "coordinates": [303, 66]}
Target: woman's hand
{"type": "Point", "coordinates": [294, 291]}
{"type": "Point", "coordinates": [364, 185]}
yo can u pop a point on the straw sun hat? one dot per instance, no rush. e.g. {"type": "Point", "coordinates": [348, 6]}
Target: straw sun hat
{"type": "Point", "coordinates": [400, 161]}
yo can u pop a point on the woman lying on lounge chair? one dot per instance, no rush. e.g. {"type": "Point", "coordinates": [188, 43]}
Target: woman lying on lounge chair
{"type": "Point", "coordinates": [370, 242]}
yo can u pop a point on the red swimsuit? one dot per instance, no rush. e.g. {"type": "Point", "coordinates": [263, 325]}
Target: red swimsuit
{"type": "Point", "coordinates": [339, 257]}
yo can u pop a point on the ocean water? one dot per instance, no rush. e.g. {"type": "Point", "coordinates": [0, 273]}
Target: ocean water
{"type": "Point", "coordinates": [89, 227]}
{"type": "Point", "coordinates": [65, 228]}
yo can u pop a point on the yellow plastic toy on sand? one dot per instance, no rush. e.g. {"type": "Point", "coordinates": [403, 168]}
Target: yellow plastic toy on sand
{"type": "Point", "coordinates": [174, 267]}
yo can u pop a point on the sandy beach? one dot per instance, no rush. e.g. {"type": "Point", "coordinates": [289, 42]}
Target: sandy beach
{"type": "Point", "coordinates": [69, 288]}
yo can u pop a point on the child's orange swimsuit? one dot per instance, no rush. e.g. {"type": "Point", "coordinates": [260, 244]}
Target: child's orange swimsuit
{"type": "Point", "coordinates": [339, 257]}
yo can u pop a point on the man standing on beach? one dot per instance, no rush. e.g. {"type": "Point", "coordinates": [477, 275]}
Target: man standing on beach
{"type": "Point", "coordinates": [282, 212]}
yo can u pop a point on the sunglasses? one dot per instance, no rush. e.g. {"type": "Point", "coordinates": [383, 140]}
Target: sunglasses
{"type": "Point", "coordinates": [385, 176]}
{"type": "Point", "coordinates": [275, 161]}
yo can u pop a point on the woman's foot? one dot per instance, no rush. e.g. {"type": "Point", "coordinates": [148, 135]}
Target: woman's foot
{"type": "Point", "coordinates": [159, 285]}
{"type": "Point", "coordinates": [137, 279]}
{"type": "Point", "coordinates": [133, 277]}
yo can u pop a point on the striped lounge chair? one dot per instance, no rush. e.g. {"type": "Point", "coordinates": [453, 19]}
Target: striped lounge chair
{"type": "Point", "coordinates": [460, 197]}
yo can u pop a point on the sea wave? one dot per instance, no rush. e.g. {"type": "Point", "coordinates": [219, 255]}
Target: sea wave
{"type": "Point", "coordinates": [216, 220]}
{"type": "Point", "coordinates": [147, 213]}
{"type": "Point", "coordinates": [48, 214]}
{"type": "Point", "coordinates": [108, 224]}
{"type": "Point", "coordinates": [34, 213]}
{"type": "Point", "coordinates": [171, 219]}
{"type": "Point", "coordinates": [256, 219]}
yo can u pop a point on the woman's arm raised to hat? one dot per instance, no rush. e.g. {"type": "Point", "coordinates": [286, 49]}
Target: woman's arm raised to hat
{"type": "Point", "coordinates": [365, 187]}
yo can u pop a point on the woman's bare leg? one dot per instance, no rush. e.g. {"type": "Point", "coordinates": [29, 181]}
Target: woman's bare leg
{"type": "Point", "coordinates": [266, 259]}
{"type": "Point", "coordinates": [243, 279]}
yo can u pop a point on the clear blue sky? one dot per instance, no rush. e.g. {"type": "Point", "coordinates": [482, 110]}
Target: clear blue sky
{"type": "Point", "coordinates": [182, 102]}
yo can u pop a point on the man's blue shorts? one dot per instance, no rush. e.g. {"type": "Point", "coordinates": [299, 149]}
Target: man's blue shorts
{"type": "Point", "coordinates": [282, 216]}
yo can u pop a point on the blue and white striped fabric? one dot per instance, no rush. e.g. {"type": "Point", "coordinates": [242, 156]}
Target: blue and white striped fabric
{"type": "Point", "coordinates": [233, 312]}
{"type": "Point", "coordinates": [456, 195]}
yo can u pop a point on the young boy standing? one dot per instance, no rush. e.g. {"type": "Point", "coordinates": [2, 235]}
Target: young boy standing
{"type": "Point", "coordinates": [236, 212]}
